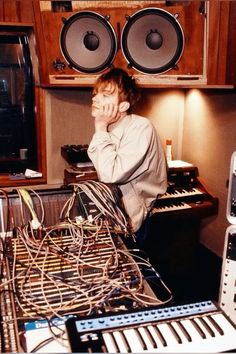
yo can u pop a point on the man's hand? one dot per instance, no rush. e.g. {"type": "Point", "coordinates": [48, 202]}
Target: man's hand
{"type": "Point", "coordinates": [105, 115]}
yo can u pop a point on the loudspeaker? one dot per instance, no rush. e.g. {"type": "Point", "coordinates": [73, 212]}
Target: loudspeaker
{"type": "Point", "coordinates": [164, 43]}
{"type": "Point", "coordinates": [152, 41]}
{"type": "Point", "coordinates": [88, 42]}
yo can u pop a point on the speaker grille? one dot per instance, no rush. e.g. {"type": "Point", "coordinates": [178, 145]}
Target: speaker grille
{"type": "Point", "coordinates": [88, 42]}
{"type": "Point", "coordinates": [152, 41]}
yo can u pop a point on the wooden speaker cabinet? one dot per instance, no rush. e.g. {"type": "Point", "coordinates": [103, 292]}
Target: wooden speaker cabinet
{"type": "Point", "coordinates": [160, 43]}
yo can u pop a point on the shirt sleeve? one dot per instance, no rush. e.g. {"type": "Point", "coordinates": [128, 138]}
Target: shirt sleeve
{"type": "Point", "coordinates": [119, 161]}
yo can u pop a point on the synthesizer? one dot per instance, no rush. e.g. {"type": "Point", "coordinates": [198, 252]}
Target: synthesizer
{"type": "Point", "coordinates": [75, 153]}
{"type": "Point", "coordinates": [185, 194]}
{"type": "Point", "coordinates": [196, 327]}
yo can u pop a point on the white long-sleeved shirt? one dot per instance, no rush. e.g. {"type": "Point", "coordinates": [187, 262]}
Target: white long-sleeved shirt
{"type": "Point", "coordinates": [131, 155]}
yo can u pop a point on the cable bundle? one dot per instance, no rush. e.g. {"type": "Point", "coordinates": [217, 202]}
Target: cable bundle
{"type": "Point", "coordinates": [106, 203]}
{"type": "Point", "coordinates": [73, 269]}
{"type": "Point", "coordinates": [77, 266]}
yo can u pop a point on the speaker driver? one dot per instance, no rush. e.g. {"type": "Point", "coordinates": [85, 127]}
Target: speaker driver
{"type": "Point", "coordinates": [152, 41]}
{"type": "Point", "coordinates": [88, 42]}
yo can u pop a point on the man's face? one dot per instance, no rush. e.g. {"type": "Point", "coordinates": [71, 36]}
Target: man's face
{"type": "Point", "coordinates": [105, 96]}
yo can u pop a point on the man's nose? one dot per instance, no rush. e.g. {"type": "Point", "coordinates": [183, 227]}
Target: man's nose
{"type": "Point", "coordinates": [95, 98]}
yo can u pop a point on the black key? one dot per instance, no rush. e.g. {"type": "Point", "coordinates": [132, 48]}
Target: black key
{"type": "Point", "coordinates": [208, 328]}
{"type": "Point", "coordinates": [215, 324]}
{"type": "Point", "coordinates": [150, 337]}
{"type": "Point", "coordinates": [198, 328]}
{"type": "Point", "coordinates": [126, 342]}
{"type": "Point", "coordinates": [176, 335]}
{"type": "Point", "coordinates": [114, 342]}
{"type": "Point", "coordinates": [185, 332]}
{"type": "Point", "coordinates": [143, 344]}
{"type": "Point", "coordinates": [160, 336]}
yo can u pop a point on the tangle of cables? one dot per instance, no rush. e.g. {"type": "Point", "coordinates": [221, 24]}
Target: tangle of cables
{"type": "Point", "coordinates": [107, 200]}
{"type": "Point", "coordinates": [77, 266]}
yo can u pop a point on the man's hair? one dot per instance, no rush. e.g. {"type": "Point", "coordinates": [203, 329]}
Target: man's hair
{"type": "Point", "coordinates": [126, 84]}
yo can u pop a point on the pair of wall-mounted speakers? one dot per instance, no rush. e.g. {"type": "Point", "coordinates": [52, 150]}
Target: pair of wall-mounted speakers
{"type": "Point", "coordinates": [164, 41]}
{"type": "Point", "coordinates": [152, 41]}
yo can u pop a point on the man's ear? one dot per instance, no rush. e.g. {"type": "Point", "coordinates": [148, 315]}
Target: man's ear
{"type": "Point", "coordinates": [124, 106]}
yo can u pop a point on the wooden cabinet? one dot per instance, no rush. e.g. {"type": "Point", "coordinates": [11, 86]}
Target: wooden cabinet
{"type": "Point", "coordinates": [221, 68]}
{"type": "Point", "coordinates": [190, 69]}
{"type": "Point", "coordinates": [208, 53]}
{"type": "Point", "coordinates": [16, 11]}
{"type": "Point", "coordinates": [209, 45]}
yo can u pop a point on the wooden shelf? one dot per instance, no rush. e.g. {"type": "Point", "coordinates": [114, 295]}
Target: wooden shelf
{"type": "Point", "coordinates": [7, 181]}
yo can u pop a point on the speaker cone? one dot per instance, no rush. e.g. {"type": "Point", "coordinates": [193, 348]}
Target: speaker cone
{"type": "Point", "coordinates": [152, 41]}
{"type": "Point", "coordinates": [88, 42]}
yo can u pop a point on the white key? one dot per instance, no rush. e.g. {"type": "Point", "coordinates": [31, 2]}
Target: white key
{"type": "Point", "coordinates": [134, 340]}
{"type": "Point", "coordinates": [206, 327]}
{"type": "Point", "coordinates": [182, 332]}
{"type": "Point", "coordinates": [167, 334]}
{"type": "Point", "coordinates": [217, 328]}
{"type": "Point", "coordinates": [156, 337]}
{"type": "Point", "coordinates": [227, 327]}
{"type": "Point", "coordinates": [193, 332]}
{"type": "Point", "coordinates": [110, 343]}
{"type": "Point", "coordinates": [146, 338]}
{"type": "Point", "coordinates": [172, 207]}
{"type": "Point", "coordinates": [120, 341]}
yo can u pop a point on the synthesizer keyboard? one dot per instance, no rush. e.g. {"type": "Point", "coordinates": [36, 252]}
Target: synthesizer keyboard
{"type": "Point", "coordinates": [197, 327]}
{"type": "Point", "coordinates": [181, 193]}
{"type": "Point", "coordinates": [171, 206]}
{"type": "Point", "coordinates": [185, 195]}
{"type": "Point", "coordinates": [191, 200]}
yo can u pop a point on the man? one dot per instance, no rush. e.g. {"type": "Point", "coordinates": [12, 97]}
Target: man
{"type": "Point", "coordinates": [125, 148]}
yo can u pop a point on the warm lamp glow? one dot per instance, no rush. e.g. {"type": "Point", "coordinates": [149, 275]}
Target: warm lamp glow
{"type": "Point", "coordinates": [195, 97]}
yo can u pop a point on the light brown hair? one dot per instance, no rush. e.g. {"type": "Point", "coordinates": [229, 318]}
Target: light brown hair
{"type": "Point", "coordinates": [126, 84]}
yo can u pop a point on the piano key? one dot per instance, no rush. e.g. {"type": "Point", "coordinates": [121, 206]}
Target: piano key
{"type": "Point", "coordinates": [205, 327]}
{"type": "Point", "coordinates": [150, 338]}
{"type": "Point", "coordinates": [110, 342]}
{"type": "Point", "coordinates": [183, 330]}
{"type": "Point", "coordinates": [181, 192]}
{"type": "Point", "coordinates": [134, 340]}
{"type": "Point", "coordinates": [170, 339]}
{"type": "Point", "coordinates": [141, 335]}
{"type": "Point", "coordinates": [171, 207]}
{"type": "Point", "coordinates": [175, 333]}
{"type": "Point", "coordinates": [121, 342]}
{"type": "Point", "coordinates": [215, 324]}
{"type": "Point", "coordinates": [157, 335]}
{"type": "Point", "coordinates": [147, 338]}
{"type": "Point", "coordinates": [223, 322]}
{"type": "Point", "coordinates": [180, 332]}
{"type": "Point", "coordinates": [198, 328]}
{"type": "Point", "coordinates": [192, 330]}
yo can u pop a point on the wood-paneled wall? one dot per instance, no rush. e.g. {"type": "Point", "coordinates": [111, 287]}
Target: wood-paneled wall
{"type": "Point", "coordinates": [16, 11]}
